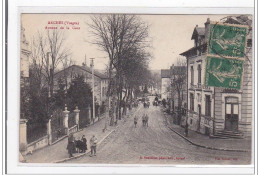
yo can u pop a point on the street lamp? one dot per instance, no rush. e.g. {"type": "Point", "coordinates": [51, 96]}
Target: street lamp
{"type": "Point", "coordinates": [93, 86]}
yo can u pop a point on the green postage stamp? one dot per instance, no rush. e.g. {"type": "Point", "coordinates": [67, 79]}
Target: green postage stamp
{"type": "Point", "coordinates": [224, 72]}
{"type": "Point", "coordinates": [227, 40]}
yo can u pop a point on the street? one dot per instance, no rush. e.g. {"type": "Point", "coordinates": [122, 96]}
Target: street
{"type": "Point", "coordinates": [155, 144]}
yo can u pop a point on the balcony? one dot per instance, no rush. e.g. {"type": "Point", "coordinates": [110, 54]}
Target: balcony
{"type": "Point", "coordinates": [199, 87]}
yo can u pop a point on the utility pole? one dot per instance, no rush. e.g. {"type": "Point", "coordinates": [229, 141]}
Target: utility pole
{"type": "Point", "coordinates": [93, 87]}
{"type": "Point", "coordinates": [49, 84]}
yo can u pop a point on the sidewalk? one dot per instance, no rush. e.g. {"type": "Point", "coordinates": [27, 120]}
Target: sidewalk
{"type": "Point", "coordinates": [58, 153]}
{"type": "Point", "coordinates": [195, 138]}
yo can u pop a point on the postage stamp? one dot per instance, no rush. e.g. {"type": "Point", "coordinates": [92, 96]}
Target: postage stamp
{"type": "Point", "coordinates": [227, 40]}
{"type": "Point", "coordinates": [224, 72]}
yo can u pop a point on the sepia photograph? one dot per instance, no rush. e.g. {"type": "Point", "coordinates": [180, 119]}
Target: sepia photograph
{"type": "Point", "coordinates": [149, 89]}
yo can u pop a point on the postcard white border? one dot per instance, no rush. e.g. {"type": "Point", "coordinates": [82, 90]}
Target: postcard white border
{"type": "Point", "coordinates": [155, 7]}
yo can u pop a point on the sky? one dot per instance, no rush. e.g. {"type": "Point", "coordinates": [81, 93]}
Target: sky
{"type": "Point", "coordinates": [170, 35]}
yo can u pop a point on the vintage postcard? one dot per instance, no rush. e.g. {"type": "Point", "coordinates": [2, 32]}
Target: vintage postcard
{"type": "Point", "coordinates": [136, 89]}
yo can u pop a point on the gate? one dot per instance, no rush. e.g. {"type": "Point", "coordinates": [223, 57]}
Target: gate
{"type": "Point", "coordinates": [57, 130]}
{"type": "Point", "coordinates": [84, 118]}
{"type": "Point", "coordinates": [35, 130]}
{"type": "Point", "coordinates": [71, 119]}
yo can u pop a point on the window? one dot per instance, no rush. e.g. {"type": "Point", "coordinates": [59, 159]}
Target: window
{"type": "Point", "coordinates": [207, 105]}
{"type": "Point", "coordinates": [191, 102]}
{"type": "Point", "coordinates": [192, 75]}
{"type": "Point", "coordinates": [199, 74]}
{"type": "Point", "coordinates": [198, 97]}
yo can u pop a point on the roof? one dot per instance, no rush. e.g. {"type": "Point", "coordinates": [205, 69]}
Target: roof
{"type": "Point", "coordinates": [198, 31]}
{"type": "Point", "coordinates": [242, 19]}
{"type": "Point", "coordinates": [87, 69]}
{"type": "Point", "coordinates": [193, 50]}
{"type": "Point", "coordinates": [165, 73]}
{"type": "Point", "coordinates": [96, 73]}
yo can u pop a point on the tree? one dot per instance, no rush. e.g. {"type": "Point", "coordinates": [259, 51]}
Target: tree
{"type": "Point", "coordinates": [178, 83]}
{"type": "Point", "coordinates": [79, 94]}
{"type": "Point", "coordinates": [121, 37]}
{"type": "Point", "coordinates": [48, 51]}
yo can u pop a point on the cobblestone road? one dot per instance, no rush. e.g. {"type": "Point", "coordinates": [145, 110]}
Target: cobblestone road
{"type": "Point", "coordinates": [156, 144]}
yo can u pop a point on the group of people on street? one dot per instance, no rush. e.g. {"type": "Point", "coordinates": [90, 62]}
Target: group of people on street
{"type": "Point", "coordinates": [80, 145]}
{"type": "Point", "coordinates": [145, 119]}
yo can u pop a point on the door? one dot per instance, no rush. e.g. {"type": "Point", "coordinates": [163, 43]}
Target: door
{"type": "Point", "coordinates": [231, 114]}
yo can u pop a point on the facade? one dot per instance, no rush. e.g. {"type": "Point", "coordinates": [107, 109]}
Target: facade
{"type": "Point", "coordinates": [216, 111]}
{"type": "Point", "coordinates": [68, 74]}
{"type": "Point", "coordinates": [166, 81]}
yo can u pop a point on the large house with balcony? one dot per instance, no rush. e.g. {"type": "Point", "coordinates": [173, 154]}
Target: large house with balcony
{"type": "Point", "coordinates": [68, 74]}
{"type": "Point", "coordinates": [214, 111]}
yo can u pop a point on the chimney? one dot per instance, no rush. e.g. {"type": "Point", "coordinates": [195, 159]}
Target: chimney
{"type": "Point", "coordinates": [207, 29]}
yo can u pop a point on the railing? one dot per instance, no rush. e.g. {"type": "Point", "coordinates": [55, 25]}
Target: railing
{"type": "Point", "coordinates": [73, 129]}
{"type": "Point", "coordinates": [199, 86]}
{"type": "Point", "coordinates": [58, 133]}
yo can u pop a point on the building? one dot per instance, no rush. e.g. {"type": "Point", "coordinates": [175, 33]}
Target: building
{"type": "Point", "coordinates": [166, 81]}
{"type": "Point", "coordinates": [24, 91]}
{"type": "Point", "coordinates": [213, 111]}
{"type": "Point", "coordinates": [24, 58]}
{"type": "Point", "coordinates": [68, 74]}
{"type": "Point", "coordinates": [24, 74]}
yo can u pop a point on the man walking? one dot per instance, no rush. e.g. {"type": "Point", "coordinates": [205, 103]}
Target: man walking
{"type": "Point", "coordinates": [135, 121]}
{"type": "Point", "coordinates": [143, 119]}
{"type": "Point", "coordinates": [70, 146]}
{"type": "Point", "coordinates": [146, 120]}
{"type": "Point", "coordinates": [93, 145]}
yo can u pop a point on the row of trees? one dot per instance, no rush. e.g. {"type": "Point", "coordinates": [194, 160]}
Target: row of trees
{"type": "Point", "coordinates": [125, 40]}
{"type": "Point", "coordinates": [48, 53]}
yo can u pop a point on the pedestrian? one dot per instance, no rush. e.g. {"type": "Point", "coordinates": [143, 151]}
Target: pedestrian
{"type": "Point", "coordinates": [143, 119]}
{"type": "Point", "coordinates": [93, 146]}
{"type": "Point", "coordinates": [146, 120]}
{"type": "Point", "coordinates": [78, 145]}
{"type": "Point", "coordinates": [70, 146]}
{"type": "Point", "coordinates": [84, 143]}
{"type": "Point", "coordinates": [135, 121]}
